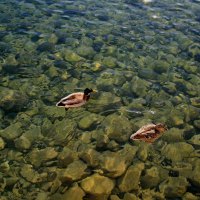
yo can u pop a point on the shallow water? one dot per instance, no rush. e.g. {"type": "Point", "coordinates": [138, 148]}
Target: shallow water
{"type": "Point", "coordinates": [143, 57]}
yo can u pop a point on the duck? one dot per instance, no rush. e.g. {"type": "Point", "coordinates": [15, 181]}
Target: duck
{"type": "Point", "coordinates": [76, 99]}
{"type": "Point", "coordinates": [149, 133]}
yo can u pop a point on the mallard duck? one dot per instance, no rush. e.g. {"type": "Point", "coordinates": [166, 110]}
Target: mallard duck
{"type": "Point", "coordinates": [75, 100]}
{"type": "Point", "coordinates": [149, 133]}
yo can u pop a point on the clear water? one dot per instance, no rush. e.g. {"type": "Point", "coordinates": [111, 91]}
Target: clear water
{"type": "Point", "coordinates": [143, 57]}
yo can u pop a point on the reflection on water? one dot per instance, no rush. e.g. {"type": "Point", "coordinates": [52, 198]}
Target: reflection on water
{"type": "Point", "coordinates": [143, 58]}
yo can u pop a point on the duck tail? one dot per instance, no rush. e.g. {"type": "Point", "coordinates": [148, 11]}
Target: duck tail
{"type": "Point", "coordinates": [60, 104]}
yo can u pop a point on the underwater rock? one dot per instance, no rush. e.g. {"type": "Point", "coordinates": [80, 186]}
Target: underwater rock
{"type": "Point", "coordinates": [71, 56]}
{"type": "Point", "coordinates": [195, 175]}
{"type": "Point", "coordinates": [131, 179]}
{"type": "Point", "coordinates": [177, 151]}
{"type": "Point", "coordinates": [140, 87]}
{"type": "Point", "coordinates": [46, 46]}
{"type": "Point", "coordinates": [31, 175]}
{"type": "Point", "coordinates": [89, 121]}
{"type": "Point", "coordinates": [90, 156]}
{"type": "Point", "coordinates": [2, 144]}
{"type": "Point", "coordinates": [22, 143]}
{"type": "Point", "coordinates": [73, 193]}
{"type": "Point", "coordinates": [54, 112]}
{"type": "Point", "coordinates": [62, 131]}
{"type": "Point", "coordinates": [74, 171]}
{"type": "Point", "coordinates": [97, 185]}
{"type": "Point", "coordinates": [190, 196]}
{"type": "Point", "coordinates": [151, 178]}
{"type": "Point", "coordinates": [130, 196]}
{"type": "Point", "coordinates": [117, 128]}
{"type": "Point", "coordinates": [11, 132]}
{"type": "Point", "coordinates": [195, 101]}
{"type": "Point", "coordinates": [12, 99]}
{"type": "Point", "coordinates": [195, 140]}
{"type": "Point", "coordinates": [174, 187]}
{"type": "Point", "coordinates": [86, 51]}
{"type": "Point", "coordinates": [67, 156]}
{"type": "Point", "coordinates": [4, 48]}
{"type": "Point", "coordinates": [197, 123]}
{"type": "Point", "coordinates": [109, 62]}
{"type": "Point", "coordinates": [174, 135]}
{"type": "Point", "coordinates": [143, 152]}
{"type": "Point", "coordinates": [37, 157]}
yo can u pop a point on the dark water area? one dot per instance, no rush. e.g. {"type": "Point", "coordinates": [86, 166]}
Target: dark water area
{"type": "Point", "coordinates": [143, 57]}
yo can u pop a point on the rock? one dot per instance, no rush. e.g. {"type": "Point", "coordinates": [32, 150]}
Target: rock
{"type": "Point", "coordinates": [131, 179]}
{"type": "Point", "coordinates": [143, 152]}
{"type": "Point", "coordinates": [195, 140]}
{"type": "Point", "coordinates": [109, 61]}
{"type": "Point", "coordinates": [37, 157]}
{"type": "Point", "coordinates": [117, 128]}
{"type": "Point", "coordinates": [42, 196]}
{"type": "Point", "coordinates": [62, 131]}
{"type": "Point", "coordinates": [139, 86]}
{"type": "Point", "coordinates": [174, 135]}
{"type": "Point", "coordinates": [11, 132]}
{"type": "Point", "coordinates": [90, 156]}
{"type": "Point", "coordinates": [174, 187]}
{"type": "Point", "coordinates": [67, 156]}
{"type": "Point", "coordinates": [4, 48]}
{"type": "Point", "coordinates": [197, 123]}
{"type": "Point", "coordinates": [97, 185]}
{"type": "Point", "coordinates": [74, 171]}
{"type": "Point", "coordinates": [189, 196]}
{"type": "Point", "coordinates": [195, 101]}
{"type": "Point", "coordinates": [74, 193]}
{"type": "Point", "coordinates": [114, 197]}
{"type": "Point", "coordinates": [195, 176]}
{"type": "Point", "coordinates": [54, 112]}
{"type": "Point", "coordinates": [89, 121]}
{"type": "Point", "coordinates": [71, 56]}
{"type": "Point", "coordinates": [31, 175]}
{"type": "Point", "coordinates": [177, 151]}
{"type": "Point", "coordinates": [129, 196]}
{"type": "Point", "coordinates": [2, 144]}
{"type": "Point", "coordinates": [22, 143]}
{"type": "Point", "coordinates": [46, 46]}
{"type": "Point", "coordinates": [86, 51]}
{"type": "Point", "coordinates": [151, 178]}
{"type": "Point", "coordinates": [12, 99]}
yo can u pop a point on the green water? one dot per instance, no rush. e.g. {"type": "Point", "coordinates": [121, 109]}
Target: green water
{"type": "Point", "coordinates": [144, 60]}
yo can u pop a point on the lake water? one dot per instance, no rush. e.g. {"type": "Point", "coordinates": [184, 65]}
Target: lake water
{"type": "Point", "coordinates": [143, 57]}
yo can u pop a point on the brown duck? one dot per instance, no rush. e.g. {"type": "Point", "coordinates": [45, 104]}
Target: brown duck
{"type": "Point", "coordinates": [149, 133]}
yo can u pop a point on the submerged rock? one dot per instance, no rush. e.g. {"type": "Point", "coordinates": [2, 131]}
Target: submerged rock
{"type": "Point", "coordinates": [46, 46]}
{"type": "Point", "coordinates": [174, 187]}
{"type": "Point", "coordinates": [97, 185]}
{"type": "Point", "coordinates": [11, 132]}
{"type": "Point", "coordinates": [131, 179]}
{"type": "Point", "coordinates": [12, 99]}
{"type": "Point", "coordinates": [177, 151]}
{"type": "Point", "coordinates": [117, 128]}
{"type": "Point", "coordinates": [2, 143]}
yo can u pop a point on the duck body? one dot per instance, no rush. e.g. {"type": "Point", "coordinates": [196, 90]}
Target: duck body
{"type": "Point", "coordinates": [149, 133]}
{"type": "Point", "coordinates": [75, 100]}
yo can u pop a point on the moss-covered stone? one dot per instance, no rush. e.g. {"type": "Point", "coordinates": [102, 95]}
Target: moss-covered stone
{"type": "Point", "coordinates": [177, 151]}
{"type": "Point", "coordinates": [130, 196]}
{"type": "Point", "coordinates": [11, 132]}
{"type": "Point", "coordinates": [174, 187]}
{"type": "Point", "coordinates": [97, 185]}
{"type": "Point", "coordinates": [131, 179]}
{"type": "Point", "coordinates": [2, 143]}
{"type": "Point", "coordinates": [117, 128]}
{"type": "Point", "coordinates": [86, 51]}
{"type": "Point", "coordinates": [12, 99]}
{"type": "Point", "coordinates": [71, 56]}
{"type": "Point", "coordinates": [109, 62]}
{"type": "Point", "coordinates": [74, 171]}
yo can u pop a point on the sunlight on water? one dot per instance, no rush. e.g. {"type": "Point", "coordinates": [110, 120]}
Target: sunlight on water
{"type": "Point", "coordinates": [143, 57]}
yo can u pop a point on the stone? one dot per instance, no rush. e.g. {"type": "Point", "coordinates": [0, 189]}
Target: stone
{"type": "Point", "coordinates": [46, 46]}
{"type": "Point", "coordinates": [54, 112]}
{"type": "Point", "coordinates": [12, 99]}
{"type": "Point", "coordinates": [38, 157]}
{"type": "Point", "coordinates": [89, 121]}
{"type": "Point", "coordinates": [71, 56]}
{"type": "Point", "coordinates": [190, 196]}
{"type": "Point", "coordinates": [174, 187]}
{"type": "Point", "coordinates": [131, 179]}
{"type": "Point", "coordinates": [66, 157]}
{"type": "Point", "coordinates": [74, 193]}
{"type": "Point", "coordinates": [195, 140]}
{"type": "Point", "coordinates": [97, 185]}
{"type": "Point", "coordinates": [22, 143]}
{"type": "Point", "coordinates": [129, 196]}
{"type": "Point", "coordinates": [174, 135]}
{"type": "Point", "coordinates": [117, 128]}
{"type": "Point", "coordinates": [11, 132]}
{"type": "Point", "coordinates": [109, 61]}
{"type": "Point", "coordinates": [195, 176]}
{"type": "Point", "coordinates": [2, 144]}
{"type": "Point", "coordinates": [74, 171]}
{"type": "Point", "coordinates": [151, 178]}
{"type": "Point", "coordinates": [195, 101]}
{"type": "Point", "coordinates": [31, 175]}
{"type": "Point", "coordinates": [177, 151]}
{"type": "Point", "coordinates": [86, 51]}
